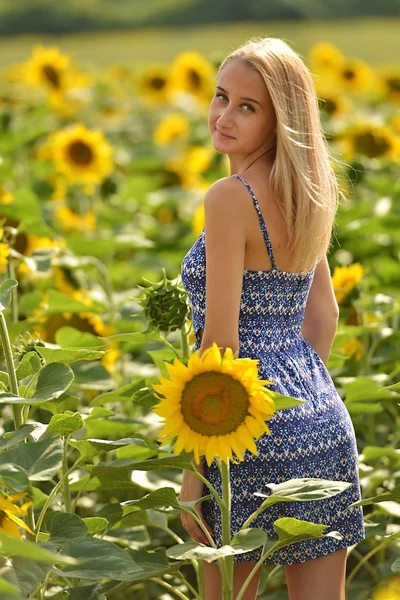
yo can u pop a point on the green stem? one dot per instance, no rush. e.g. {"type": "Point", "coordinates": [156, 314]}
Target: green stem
{"type": "Point", "coordinates": [214, 492]}
{"type": "Point", "coordinates": [54, 492]}
{"type": "Point", "coordinates": [66, 490]}
{"type": "Point", "coordinates": [184, 342]}
{"type": "Point", "coordinates": [188, 585]}
{"type": "Point", "coordinates": [200, 579]}
{"type": "Point", "coordinates": [169, 587]}
{"type": "Point", "coordinates": [12, 376]}
{"type": "Point", "coordinates": [227, 588]}
{"type": "Point", "coordinates": [364, 560]}
{"type": "Point", "coordinates": [251, 574]}
{"type": "Point", "coordinates": [14, 292]}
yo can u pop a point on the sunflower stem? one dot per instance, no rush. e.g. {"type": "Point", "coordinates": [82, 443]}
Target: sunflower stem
{"type": "Point", "coordinates": [12, 376]}
{"type": "Point", "coordinates": [227, 581]}
{"type": "Point", "coordinates": [184, 342]}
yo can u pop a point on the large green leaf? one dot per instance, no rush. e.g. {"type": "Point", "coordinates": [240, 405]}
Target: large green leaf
{"type": "Point", "coordinates": [365, 389]}
{"type": "Point", "coordinates": [53, 381]}
{"type": "Point", "coordinates": [282, 402]}
{"type": "Point", "coordinates": [41, 460]}
{"type": "Point", "coordinates": [123, 393]}
{"type": "Point", "coordinates": [64, 424]}
{"type": "Point", "coordinates": [6, 288]}
{"type": "Point", "coordinates": [69, 337]}
{"type": "Point", "coordinates": [152, 563]}
{"type": "Point", "coordinates": [92, 447]}
{"type": "Point", "coordinates": [162, 498]}
{"type": "Point", "coordinates": [59, 303]}
{"type": "Point", "coordinates": [95, 524]}
{"type": "Point", "coordinates": [302, 490]}
{"type": "Point", "coordinates": [182, 461]}
{"type": "Point", "coordinates": [7, 588]}
{"type": "Point", "coordinates": [68, 355]}
{"type": "Point", "coordinates": [63, 526]}
{"type": "Point", "coordinates": [14, 477]}
{"type": "Point", "coordinates": [10, 546]}
{"type": "Point", "coordinates": [99, 560]}
{"type": "Point", "coordinates": [243, 541]}
{"type": "Point", "coordinates": [28, 574]}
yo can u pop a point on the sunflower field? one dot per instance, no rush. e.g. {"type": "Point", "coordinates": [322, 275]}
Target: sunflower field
{"type": "Point", "coordinates": [102, 176]}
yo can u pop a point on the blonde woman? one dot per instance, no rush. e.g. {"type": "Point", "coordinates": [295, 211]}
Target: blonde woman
{"type": "Point", "coordinates": [269, 296]}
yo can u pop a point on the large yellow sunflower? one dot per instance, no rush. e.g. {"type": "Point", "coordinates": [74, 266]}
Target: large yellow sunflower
{"type": "Point", "coordinates": [356, 76]}
{"type": "Point", "coordinates": [154, 84]}
{"type": "Point", "coordinates": [371, 140]}
{"type": "Point", "coordinates": [390, 590]}
{"type": "Point", "coordinates": [194, 75]}
{"type": "Point", "coordinates": [10, 515]}
{"type": "Point", "coordinates": [390, 77]}
{"type": "Point", "coordinates": [345, 279]}
{"type": "Point", "coordinates": [214, 405]}
{"type": "Point", "coordinates": [325, 58]}
{"type": "Point", "coordinates": [47, 68]}
{"type": "Point", "coordinates": [173, 127]}
{"type": "Point", "coordinates": [81, 154]}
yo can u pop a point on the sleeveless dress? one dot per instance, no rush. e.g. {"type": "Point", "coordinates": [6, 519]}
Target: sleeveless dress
{"type": "Point", "coordinates": [315, 439]}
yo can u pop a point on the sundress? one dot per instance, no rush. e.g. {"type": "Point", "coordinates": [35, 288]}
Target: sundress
{"type": "Point", "coordinates": [315, 439]}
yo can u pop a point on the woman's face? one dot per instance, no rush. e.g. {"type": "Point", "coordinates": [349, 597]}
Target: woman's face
{"type": "Point", "coordinates": [241, 118]}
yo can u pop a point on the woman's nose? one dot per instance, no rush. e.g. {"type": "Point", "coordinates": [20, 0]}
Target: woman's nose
{"type": "Point", "coordinates": [225, 117]}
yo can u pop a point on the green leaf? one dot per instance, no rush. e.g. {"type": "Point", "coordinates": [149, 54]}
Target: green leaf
{"type": "Point", "coordinates": [59, 303]}
{"type": "Point", "coordinates": [63, 526]}
{"type": "Point", "coordinates": [99, 560]}
{"type": "Point", "coordinates": [68, 355]}
{"type": "Point", "coordinates": [13, 438]}
{"type": "Point", "coordinates": [91, 447]}
{"type": "Point", "coordinates": [14, 477]}
{"type": "Point", "coordinates": [53, 380]}
{"type": "Point", "coordinates": [123, 393]}
{"type": "Point", "coordinates": [29, 364]}
{"type": "Point", "coordinates": [152, 563]}
{"type": "Point", "coordinates": [69, 337]}
{"type": "Point", "coordinates": [182, 461]}
{"type": "Point", "coordinates": [394, 494]}
{"type": "Point", "coordinates": [28, 574]}
{"type": "Point", "coordinates": [360, 408]}
{"type": "Point", "coordinates": [302, 490]}
{"type": "Point", "coordinates": [11, 546]}
{"type": "Point", "coordinates": [41, 459]}
{"type": "Point", "coordinates": [6, 292]}
{"type": "Point", "coordinates": [160, 356]}
{"type": "Point", "coordinates": [163, 498]}
{"type": "Point", "coordinates": [8, 588]}
{"type": "Point", "coordinates": [363, 389]}
{"type": "Point", "coordinates": [243, 541]}
{"type": "Point", "coordinates": [95, 524]}
{"type": "Point", "coordinates": [64, 424]}
{"type": "Point", "coordinates": [282, 402]}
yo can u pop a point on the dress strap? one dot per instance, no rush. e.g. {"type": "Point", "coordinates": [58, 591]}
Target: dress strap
{"type": "Point", "coordinates": [262, 222]}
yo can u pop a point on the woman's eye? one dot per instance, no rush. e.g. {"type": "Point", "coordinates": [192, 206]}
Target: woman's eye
{"type": "Point", "coordinates": [249, 106]}
{"type": "Point", "coordinates": [220, 96]}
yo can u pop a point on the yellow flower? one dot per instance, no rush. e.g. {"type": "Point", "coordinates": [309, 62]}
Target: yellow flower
{"type": "Point", "coordinates": [356, 76]}
{"type": "Point", "coordinates": [330, 102]}
{"type": "Point", "coordinates": [198, 220]}
{"type": "Point", "coordinates": [324, 58]}
{"type": "Point", "coordinates": [4, 254]}
{"type": "Point", "coordinates": [345, 279]}
{"type": "Point", "coordinates": [10, 513]}
{"type": "Point", "coordinates": [389, 591]}
{"type": "Point", "coordinates": [190, 164]}
{"type": "Point", "coordinates": [47, 68]}
{"type": "Point", "coordinates": [70, 221]}
{"type": "Point", "coordinates": [154, 84]}
{"type": "Point", "coordinates": [6, 197]}
{"type": "Point", "coordinates": [194, 75]}
{"type": "Point", "coordinates": [171, 128]}
{"type": "Point", "coordinates": [390, 77]}
{"type": "Point", "coordinates": [371, 140]}
{"type": "Point", "coordinates": [82, 155]}
{"type": "Point", "coordinates": [214, 405]}
{"type": "Point", "coordinates": [354, 347]}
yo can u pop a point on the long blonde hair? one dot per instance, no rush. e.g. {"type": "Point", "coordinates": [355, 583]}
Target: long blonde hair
{"type": "Point", "coordinates": [302, 179]}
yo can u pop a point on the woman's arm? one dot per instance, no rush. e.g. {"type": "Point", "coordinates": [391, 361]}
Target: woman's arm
{"type": "Point", "coordinates": [321, 313]}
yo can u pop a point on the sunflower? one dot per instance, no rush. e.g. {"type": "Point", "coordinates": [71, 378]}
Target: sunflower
{"type": "Point", "coordinates": [47, 68]}
{"type": "Point", "coordinates": [10, 513]}
{"type": "Point", "coordinates": [198, 220]}
{"type": "Point", "coordinates": [389, 590]}
{"type": "Point", "coordinates": [345, 279]}
{"type": "Point", "coordinates": [194, 75]}
{"type": "Point", "coordinates": [334, 105]}
{"type": "Point", "coordinates": [154, 84]}
{"type": "Point", "coordinates": [371, 140]}
{"type": "Point", "coordinates": [390, 77]}
{"type": "Point", "coordinates": [190, 164]}
{"type": "Point", "coordinates": [325, 58]}
{"type": "Point", "coordinates": [4, 254]}
{"type": "Point", "coordinates": [171, 128]}
{"type": "Point", "coordinates": [354, 347]}
{"type": "Point", "coordinates": [71, 221]}
{"type": "Point", "coordinates": [81, 154]}
{"type": "Point", "coordinates": [214, 405]}
{"type": "Point", "coordinates": [356, 76]}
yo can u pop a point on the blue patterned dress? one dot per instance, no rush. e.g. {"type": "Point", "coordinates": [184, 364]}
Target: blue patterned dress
{"type": "Point", "coordinates": [315, 439]}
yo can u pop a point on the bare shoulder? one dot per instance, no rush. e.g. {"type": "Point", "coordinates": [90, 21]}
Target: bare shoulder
{"type": "Point", "coordinates": [226, 199]}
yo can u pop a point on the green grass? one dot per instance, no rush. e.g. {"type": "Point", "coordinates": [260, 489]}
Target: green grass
{"type": "Point", "coordinates": [373, 39]}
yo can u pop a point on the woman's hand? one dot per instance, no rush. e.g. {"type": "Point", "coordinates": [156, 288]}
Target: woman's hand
{"type": "Point", "coordinates": [192, 489]}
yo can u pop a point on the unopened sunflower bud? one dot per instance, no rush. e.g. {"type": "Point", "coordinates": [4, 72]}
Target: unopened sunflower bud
{"type": "Point", "coordinates": [165, 304]}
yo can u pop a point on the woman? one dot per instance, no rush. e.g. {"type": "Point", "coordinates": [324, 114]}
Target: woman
{"type": "Point", "coordinates": [269, 296]}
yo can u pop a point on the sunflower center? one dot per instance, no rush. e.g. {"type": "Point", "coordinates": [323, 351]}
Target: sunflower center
{"type": "Point", "coordinates": [349, 74]}
{"type": "Point", "coordinates": [214, 403]}
{"type": "Point", "coordinates": [157, 83]}
{"type": "Point", "coordinates": [194, 78]}
{"type": "Point", "coordinates": [394, 83]}
{"type": "Point", "coordinates": [3, 517]}
{"type": "Point", "coordinates": [80, 153]}
{"type": "Point", "coordinates": [52, 76]}
{"type": "Point", "coordinates": [371, 145]}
